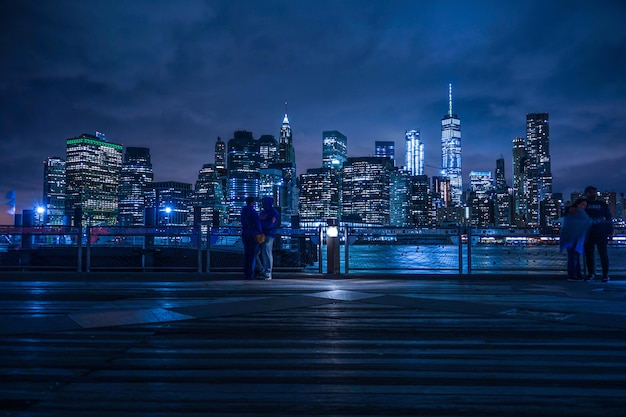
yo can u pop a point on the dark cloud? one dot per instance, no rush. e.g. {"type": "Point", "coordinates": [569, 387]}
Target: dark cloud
{"type": "Point", "coordinates": [175, 75]}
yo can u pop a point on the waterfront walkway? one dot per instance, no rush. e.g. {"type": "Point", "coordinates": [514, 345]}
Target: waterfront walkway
{"type": "Point", "coordinates": [136, 344]}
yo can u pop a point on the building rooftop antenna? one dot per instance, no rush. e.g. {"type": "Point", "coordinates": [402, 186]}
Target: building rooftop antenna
{"type": "Point", "coordinates": [450, 99]}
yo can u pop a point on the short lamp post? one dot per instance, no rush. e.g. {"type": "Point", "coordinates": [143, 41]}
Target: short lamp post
{"type": "Point", "coordinates": [332, 247]}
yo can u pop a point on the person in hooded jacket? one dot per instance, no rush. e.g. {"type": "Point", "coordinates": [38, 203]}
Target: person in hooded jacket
{"type": "Point", "coordinates": [574, 229]}
{"type": "Point", "coordinates": [599, 234]}
{"type": "Point", "coordinates": [270, 221]}
{"type": "Point", "coordinates": [250, 228]}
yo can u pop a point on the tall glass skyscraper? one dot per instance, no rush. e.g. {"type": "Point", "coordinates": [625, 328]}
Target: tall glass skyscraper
{"type": "Point", "coordinates": [243, 172]}
{"type": "Point", "coordinates": [220, 154]}
{"type": "Point", "coordinates": [287, 198]}
{"type": "Point", "coordinates": [92, 168]}
{"type": "Point", "coordinates": [539, 171]}
{"type": "Point", "coordinates": [451, 151]}
{"type": "Point", "coordinates": [520, 184]}
{"type": "Point", "coordinates": [334, 149]}
{"type": "Point", "coordinates": [286, 152]}
{"type": "Point", "coordinates": [54, 190]}
{"type": "Point", "coordinates": [135, 178]}
{"type": "Point", "coordinates": [414, 152]}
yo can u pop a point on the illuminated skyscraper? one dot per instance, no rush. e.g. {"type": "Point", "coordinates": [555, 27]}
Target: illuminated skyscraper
{"type": "Point", "coordinates": [421, 202]}
{"type": "Point", "coordinates": [319, 196]}
{"type": "Point", "coordinates": [220, 154]}
{"type": "Point", "coordinates": [172, 203]}
{"type": "Point", "coordinates": [334, 149]}
{"type": "Point", "coordinates": [520, 183]}
{"type": "Point", "coordinates": [287, 198]}
{"type": "Point", "coordinates": [539, 172]}
{"type": "Point", "coordinates": [209, 197]}
{"type": "Point", "coordinates": [500, 181]}
{"type": "Point", "coordinates": [286, 151]}
{"type": "Point", "coordinates": [54, 190]}
{"type": "Point", "coordinates": [399, 198]}
{"type": "Point", "coordinates": [268, 151]}
{"type": "Point", "coordinates": [135, 178]}
{"type": "Point", "coordinates": [243, 172]}
{"type": "Point", "coordinates": [414, 152]}
{"type": "Point", "coordinates": [365, 190]}
{"type": "Point", "coordinates": [502, 198]}
{"type": "Point", "coordinates": [451, 151]}
{"type": "Point", "coordinates": [479, 201]}
{"type": "Point", "coordinates": [385, 148]}
{"type": "Point", "coordinates": [92, 168]}
{"type": "Point", "coordinates": [441, 191]}
{"type": "Point", "coordinates": [481, 183]}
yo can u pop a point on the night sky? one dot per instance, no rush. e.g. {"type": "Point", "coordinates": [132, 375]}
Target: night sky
{"type": "Point", "coordinates": [175, 75]}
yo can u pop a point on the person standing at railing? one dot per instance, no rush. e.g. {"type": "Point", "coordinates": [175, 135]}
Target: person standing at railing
{"type": "Point", "coordinates": [574, 228]}
{"type": "Point", "coordinates": [251, 234]}
{"type": "Point", "coordinates": [270, 220]}
{"type": "Point", "coordinates": [599, 234]}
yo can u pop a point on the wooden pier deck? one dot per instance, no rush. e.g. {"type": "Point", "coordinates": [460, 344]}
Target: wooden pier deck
{"type": "Point", "coordinates": [299, 345]}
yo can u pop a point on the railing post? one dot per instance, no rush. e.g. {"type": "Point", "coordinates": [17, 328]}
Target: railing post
{"type": "Point", "coordinates": [469, 250]}
{"type": "Point", "coordinates": [208, 249]}
{"type": "Point", "coordinates": [320, 250]}
{"type": "Point", "coordinates": [199, 232]}
{"type": "Point", "coordinates": [460, 243]}
{"type": "Point", "coordinates": [79, 241]}
{"type": "Point", "coordinates": [88, 259]}
{"type": "Point", "coordinates": [346, 250]}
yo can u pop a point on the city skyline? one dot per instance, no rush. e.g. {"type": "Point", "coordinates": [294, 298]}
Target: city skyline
{"type": "Point", "coordinates": [174, 78]}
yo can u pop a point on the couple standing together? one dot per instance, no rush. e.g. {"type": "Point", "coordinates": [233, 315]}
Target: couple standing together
{"type": "Point", "coordinates": [258, 233]}
{"type": "Point", "coordinates": [586, 224]}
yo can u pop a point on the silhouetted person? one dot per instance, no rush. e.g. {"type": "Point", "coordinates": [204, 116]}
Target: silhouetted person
{"type": "Point", "coordinates": [270, 220]}
{"type": "Point", "coordinates": [250, 228]}
{"type": "Point", "coordinates": [599, 233]}
{"type": "Point", "coordinates": [574, 229]}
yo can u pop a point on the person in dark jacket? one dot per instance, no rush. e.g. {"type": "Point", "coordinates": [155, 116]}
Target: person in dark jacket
{"type": "Point", "coordinates": [574, 229]}
{"type": "Point", "coordinates": [270, 221]}
{"type": "Point", "coordinates": [599, 234]}
{"type": "Point", "coordinates": [250, 228]}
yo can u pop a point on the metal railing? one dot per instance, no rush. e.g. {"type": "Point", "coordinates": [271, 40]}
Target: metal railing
{"type": "Point", "coordinates": [457, 250]}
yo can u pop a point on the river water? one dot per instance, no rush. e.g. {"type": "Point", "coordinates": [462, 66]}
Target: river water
{"type": "Point", "coordinates": [444, 259]}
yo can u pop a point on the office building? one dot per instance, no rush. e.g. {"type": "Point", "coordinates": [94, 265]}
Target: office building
{"type": "Point", "coordinates": [93, 166]}
{"type": "Point", "coordinates": [209, 197]}
{"type": "Point", "coordinates": [365, 191]}
{"type": "Point", "coordinates": [500, 177]}
{"type": "Point", "coordinates": [442, 195]}
{"type": "Point", "coordinates": [480, 202]}
{"type": "Point", "coordinates": [539, 174]}
{"type": "Point", "coordinates": [520, 182]}
{"type": "Point", "coordinates": [243, 173]}
{"type": "Point", "coordinates": [286, 151]}
{"type": "Point", "coordinates": [334, 149]}
{"type": "Point", "coordinates": [414, 152]}
{"type": "Point", "coordinates": [135, 178]}
{"type": "Point", "coordinates": [54, 191]}
{"type": "Point", "coordinates": [385, 149]}
{"type": "Point", "coordinates": [421, 208]}
{"type": "Point", "coordinates": [268, 151]}
{"type": "Point", "coordinates": [399, 206]}
{"type": "Point", "coordinates": [220, 154]}
{"type": "Point", "coordinates": [287, 199]}
{"type": "Point", "coordinates": [451, 151]}
{"type": "Point", "coordinates": [171, 202]}
{"type": "Point", "coordinates": [319, 196]}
